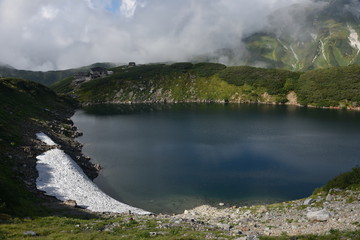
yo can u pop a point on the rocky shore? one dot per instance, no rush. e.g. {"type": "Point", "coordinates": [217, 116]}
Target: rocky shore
{"type": "Point", "coordinates": [319, 214]}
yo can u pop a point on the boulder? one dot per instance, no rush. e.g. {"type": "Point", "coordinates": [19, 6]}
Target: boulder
{"type": "Point", "coordinates": [224, 226]}
{"type": "Point", "coordinates": [308, 201]}
{"type": "Point", "coordinates": [320, 216]}
{"type": "Point", "coordinates": [253, 237]}
{"type": "Point", "coordinates": [71, 203]}
{"type": "Point", "coordinates": [98, 167]}
{"type": "Point", "coordinates": [329, 197]}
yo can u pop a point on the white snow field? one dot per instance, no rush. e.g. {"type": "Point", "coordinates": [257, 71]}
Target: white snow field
{"type": "Point", "coordinates": [44, 138]}
{"type": "Point", "coordinates": [61, 177]}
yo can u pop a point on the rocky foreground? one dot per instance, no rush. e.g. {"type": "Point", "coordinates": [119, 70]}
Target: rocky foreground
{"type": "Point", "coordinates": [321, 214]}
{"type": "Point", "coordinates": [338, 210]}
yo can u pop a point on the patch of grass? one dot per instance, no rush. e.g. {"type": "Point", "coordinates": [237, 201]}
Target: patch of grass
{"type": "Point", "coordinates": [64, 86]}
{"type": "Point", "coordinates": [68, 228]}
{"type": "Point", "coordinates": [343, 181]}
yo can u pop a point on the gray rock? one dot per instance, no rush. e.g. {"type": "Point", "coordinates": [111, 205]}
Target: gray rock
{"type": "Point", "coordinates": [98, 167]}
{"type": "Point", "coordinates": [224, 226]}
{"type": "Point", "coordinates": [321, 216]}
{"type": "Point", "coordinates": [30, 233]}
{"type": "Point", "coordinates": [110, 227]}
{"type": "Point", "coordinates": [308, 201]}
{"type": "Point", "coordinates": [329, 197]}
{"type": "Point", "coordinates": [241, 238]}
{"type": "Point", "coordinates": [252, 237]}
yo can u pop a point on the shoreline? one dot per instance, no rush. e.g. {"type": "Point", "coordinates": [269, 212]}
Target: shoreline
{"type": "Point", "coordinates": [88, 104]}
{"type": "Point", "coordinates": [261, 220]}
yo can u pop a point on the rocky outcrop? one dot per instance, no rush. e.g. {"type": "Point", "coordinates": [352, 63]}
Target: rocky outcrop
{"type": "Point", "coordinates": [292, 98]}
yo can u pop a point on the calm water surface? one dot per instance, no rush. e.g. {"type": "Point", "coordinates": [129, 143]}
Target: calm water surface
{"type": "Point", "coordinates": [167, 158]}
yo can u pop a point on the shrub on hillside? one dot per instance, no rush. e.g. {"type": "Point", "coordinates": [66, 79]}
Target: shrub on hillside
{"type": "Point", "coordinates": [328, 87]}
{"type": "Point", "coordinates": [345, 180]}
{"type": "Point", "coordinates": [273, 80]}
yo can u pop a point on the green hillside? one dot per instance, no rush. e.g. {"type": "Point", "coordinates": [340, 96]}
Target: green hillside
{"type": "Point", "coordinates": [25, 107]}
{"type": "Point", "coordinates": [330, 87]}
{"type": "Point", "coordinates": [183, 82]}
{"type": "Point", "coordinates": [206, 82]}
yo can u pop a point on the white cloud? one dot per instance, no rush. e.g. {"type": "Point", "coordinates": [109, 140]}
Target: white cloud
{"type": "Point", "coordinates": [58, 34]}
{"type": "Point", "coordinates": [128, 8]}
{"type": "Point", "coordinates": [49, 12]}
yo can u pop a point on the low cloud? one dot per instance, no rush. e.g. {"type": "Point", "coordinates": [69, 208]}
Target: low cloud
{"type": "Point", "coordinates": [59, 34]}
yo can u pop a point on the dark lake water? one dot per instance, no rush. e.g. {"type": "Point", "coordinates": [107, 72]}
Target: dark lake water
{"type": "Point", "coordinates": [167, 158]}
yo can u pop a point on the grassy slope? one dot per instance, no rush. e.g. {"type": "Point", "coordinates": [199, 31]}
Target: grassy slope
{"type": "Point", "coordinates": [184, 82]}
{"type": "Point", "coordinates": [130, 228]}
{"type": "Point", "coordinates": [329, 87]}
{"type": "Point", "coordinates": [22, 103]}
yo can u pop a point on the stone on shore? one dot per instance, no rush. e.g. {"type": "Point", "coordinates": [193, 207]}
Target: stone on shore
{"type": "Point", "coordinates": [320, 216]}
{"type": "Point", "coordinates": [308, 201]}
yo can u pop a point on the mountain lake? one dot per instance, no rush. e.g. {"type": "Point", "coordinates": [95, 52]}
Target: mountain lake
{"type": "Point", "coordinates": [166, 158]}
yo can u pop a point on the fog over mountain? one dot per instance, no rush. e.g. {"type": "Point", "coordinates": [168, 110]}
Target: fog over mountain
{"type": "Point", "coordinates": [59, 34]}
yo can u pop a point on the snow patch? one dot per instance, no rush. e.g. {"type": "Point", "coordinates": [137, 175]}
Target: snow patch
{"type": "Point", "coordinates": [61, 177]}
{"type": "Point", "coordinates": [323, 50]}
{"type": "Point", "coordinates": [282, 44]}
{"type": "Point", "coordinates": [296, 57]}
{"type": "Point", "coordinates": [44, 138]}
{"type": "Point", "coordinates": [313, 36]}
{"type": "Point", "coordinates": [314, 59]}
{"type": "Point", "coordinates": [354, 39]}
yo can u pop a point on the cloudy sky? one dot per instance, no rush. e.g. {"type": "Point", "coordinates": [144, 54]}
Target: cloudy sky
{"type": "Point", "coordinates": [60, 34]}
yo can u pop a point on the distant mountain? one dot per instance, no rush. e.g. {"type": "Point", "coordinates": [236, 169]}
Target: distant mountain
{"type": "Point", "coordinates": [317, 35]}
{"type": "Point", "coordinates": [304, 36]}
{"type": "Point", "coordinates": [49, 77]}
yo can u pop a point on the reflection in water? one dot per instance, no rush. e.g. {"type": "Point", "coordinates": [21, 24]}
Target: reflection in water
{"type": "Point", "coordinates": [166, 158]}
